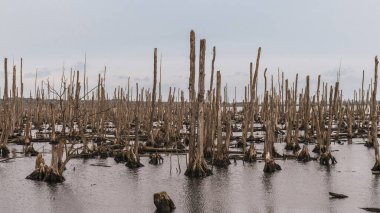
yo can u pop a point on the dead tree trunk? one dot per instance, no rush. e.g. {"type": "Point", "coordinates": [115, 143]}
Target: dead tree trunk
{"type": "Point", "coordinates": [376, 167]}
{"type": "Point", "coordinates": [198, 167]}
{"type": "Point", "coordinates": [150, 129]}
{"type": "Point", "coordinates": [222, 153]}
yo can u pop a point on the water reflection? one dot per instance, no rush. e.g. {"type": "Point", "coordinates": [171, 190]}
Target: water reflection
{"type": "Point", "coordinates": [194, 195]}
{"type": "Point", "coordinates": [375, 190]}
{"type": "Point", "coordinates": [268, 192]}
{"type": "Point", "coordinates": [299, 187]}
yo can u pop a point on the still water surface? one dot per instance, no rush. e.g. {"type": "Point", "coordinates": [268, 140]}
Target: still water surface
{"type": "Point", "coordinates": [299, 187]}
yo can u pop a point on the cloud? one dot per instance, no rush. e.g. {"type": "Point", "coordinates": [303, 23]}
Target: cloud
{"type": "Point", "coordinates": [41, 73]}
{"type": "Point", "coordinates": [78, 65]}
{"type": "Point", "coordinates": [140, 79]}
{"type": "Point", "coordinates": [123, 77]}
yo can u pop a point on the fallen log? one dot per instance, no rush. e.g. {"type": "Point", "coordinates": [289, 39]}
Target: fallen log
{"type": "Point", "coordinates": [336, 195]}
{"type": "Point", "coordinates": [371, 209]}
{"type": "Point", "coordinates": [6, 159]}
{"type": "Point", "coordinates": [101, 165]}
{"type": "Point", "coordinates": [153, 149]}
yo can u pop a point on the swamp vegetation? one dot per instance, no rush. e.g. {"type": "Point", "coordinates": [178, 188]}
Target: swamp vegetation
{"type": "Point", "coordinates": [211, 130]}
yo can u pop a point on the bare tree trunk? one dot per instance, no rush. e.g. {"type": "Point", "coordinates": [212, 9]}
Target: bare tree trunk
{"type": "Point", "coordinates": [222, 153]}
{"type": "Point", "coordinates": [150, 129]}
{"type": "Point", "coordinates": [198, 168]}
{"type": "Point", "coordinates": [192, 99]}
{"type": "Point", "coordinates": [374, 120]}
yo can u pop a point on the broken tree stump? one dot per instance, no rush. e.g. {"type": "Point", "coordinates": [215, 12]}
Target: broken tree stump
{"type": "Point", "coordinates": [163, 202]}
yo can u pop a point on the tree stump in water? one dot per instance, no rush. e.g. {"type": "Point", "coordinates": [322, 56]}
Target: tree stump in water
{"type": "Point", "coordinates": [368, 144]}
{"type": "Point", "coordinates": [325, 158]}
{"type": "Point", "coordinates": [163, 202]}
{"type": "Point", "coordinates": [251, 154]}
{"type": "Point", "coordinates": [222, 159]}
{"type": "Point", "coordinates": [103, 151]}
{"type": "Point", "coordinates": [198, 169]}
{"type": "Point", "coordinates": [270, 165]}
{"type": "Point", "coordinates": [45, 173]}
{"type": "Point", "coordinates": [4, 151]}
{"type": "Point", "coordinates": [121, 157]}
{"type": "Point", "coordinates": [133, 164]}
{"type": "Point", "coordinates": [155, 159]}
{"type": "Point", "coordinates": [295, 147]}
{"type": "Point", "coordinates": [376, 168]}
{"type": "Point", "coordinates": [31, 151]}
{"type": "Point", "coordinates": [304, 155]}
{"type": "Point", "coordinates": [223, 162]}
{"type": "Point", "coordinates": [133, 161]}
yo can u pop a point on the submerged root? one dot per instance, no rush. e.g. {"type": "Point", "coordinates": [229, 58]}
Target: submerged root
{"type": "Point", "coordinates": [325, 158]}
{"type": "Point", "coordinates": [251, 154]}
{"type": "Point", "coordinates": [304, 154]}
{"type": "Point", "coordinates": [155, 159]}
{"type": "Point", "coordinates": [198, 168]}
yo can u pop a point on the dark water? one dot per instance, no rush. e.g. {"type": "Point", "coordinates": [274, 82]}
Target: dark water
{"type": "Point", "coordinates": [299, 187]}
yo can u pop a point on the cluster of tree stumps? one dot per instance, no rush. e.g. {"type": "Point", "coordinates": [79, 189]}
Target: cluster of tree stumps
{"type": "Point", "coordinates": [155, 159]}
{"type": "Point", "coordinates": [130, 122]}
{"type": "Point", "coordinates": [45, 173]}
{"type": "Point", "coordinates": [128, 157]}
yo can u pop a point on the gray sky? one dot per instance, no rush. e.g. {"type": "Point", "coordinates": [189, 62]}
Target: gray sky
{"type": "Point", "coordinates": [296, 36]}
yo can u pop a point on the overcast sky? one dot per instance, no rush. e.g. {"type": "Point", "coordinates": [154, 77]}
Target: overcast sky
{"type": "Point", "coordinates": [296, 36]}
